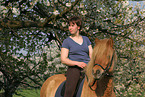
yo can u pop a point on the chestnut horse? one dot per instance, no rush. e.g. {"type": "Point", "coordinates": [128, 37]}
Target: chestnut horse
{"type": "Point", "coordinates": [99, 73]}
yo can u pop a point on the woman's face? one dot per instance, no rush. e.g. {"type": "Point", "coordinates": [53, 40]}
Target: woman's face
{"type": "Point", "coordinates": [73, 28]}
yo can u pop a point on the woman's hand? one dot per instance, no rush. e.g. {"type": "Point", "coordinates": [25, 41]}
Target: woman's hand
{"type": "Point", "coordinates": [81, 64]}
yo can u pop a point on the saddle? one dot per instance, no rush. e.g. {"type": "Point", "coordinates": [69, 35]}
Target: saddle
{"type": "Point", "coordinates": [61, 89]}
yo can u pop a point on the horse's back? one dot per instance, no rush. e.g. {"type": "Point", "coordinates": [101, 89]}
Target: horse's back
{"type": "Point", "coordinates": [50, 86]}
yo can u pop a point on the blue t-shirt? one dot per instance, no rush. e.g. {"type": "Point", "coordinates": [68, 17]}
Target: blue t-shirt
{"type": "Point", "coordinates": [77, 52]}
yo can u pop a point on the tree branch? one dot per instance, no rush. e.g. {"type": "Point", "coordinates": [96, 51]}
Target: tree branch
{"type": "Point", "coordinates": [5, 23]}
{"type": "Point", "coordinates": [61, 14]}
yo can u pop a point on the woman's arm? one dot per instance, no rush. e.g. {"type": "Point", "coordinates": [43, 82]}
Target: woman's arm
{"type": "Point", "coordinates": [90, 51]}
{"type": "Point", "coordinates": [67, 61]}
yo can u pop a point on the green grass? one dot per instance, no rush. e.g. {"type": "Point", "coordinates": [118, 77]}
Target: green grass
{"type": "Point", "coordinates": [28, 93]}
{"type": "Point", "coordinates": [36, 93]}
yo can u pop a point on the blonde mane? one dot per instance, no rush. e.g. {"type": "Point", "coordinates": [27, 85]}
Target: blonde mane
{"type": "Point", "coordinates": [102, 54]}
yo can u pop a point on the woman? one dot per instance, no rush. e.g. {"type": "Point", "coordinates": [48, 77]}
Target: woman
{"type": "Point", "coordinates": [75, 53]}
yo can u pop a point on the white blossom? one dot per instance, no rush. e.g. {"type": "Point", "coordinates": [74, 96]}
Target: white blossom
{"type": "Point", "coordinates": [56, 12]}
{"type": "Point", "coordinates": [83, 12]}
{"type": "Point", "coordinates": [33, 3]}
{"type": "Point", "coordinates": [48, 3]}
{"type": "Point", "coordinates": [42, 19]}
{"type": "Point", "coordinates": [46, 72]}
{"type": "Point", "coordinates": [3, 9]}
{"type": "Point", "coordinates": [56, 1]}
{"type": "Point", "coordinates": [16, 69]}
{"type": "Point", "coordinates": [15, 11]}
{"type": "Point", "coordinates": [125, 3]}
{"type": "Point", "coordinates": [68, 4]}
{"type": "Point", "coordinates": [1, 73]}
{"type": "Point", "coordinates": [98, 10]}
{"type": "Point", "coordinates": [143, 12]}
{"type": "Point", "coordinates": [138, 4]}
{"type": "Point", "coordinates": [81, 5]}
{"type": "Point", "coordinates": [64, 24]}
{"type": "Point", "coordinates": [87, 28]}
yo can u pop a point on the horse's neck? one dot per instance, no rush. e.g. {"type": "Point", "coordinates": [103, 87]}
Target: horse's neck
{"type": "Point", "coordinates": [86, 91]}
{"type": "Point", "coordinates": [104, 86]}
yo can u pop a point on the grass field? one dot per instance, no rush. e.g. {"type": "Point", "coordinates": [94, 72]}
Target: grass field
{"type": "Point", "coordinates": [36, 93]}
{"type": "Point", "coordinates": [28, 93]}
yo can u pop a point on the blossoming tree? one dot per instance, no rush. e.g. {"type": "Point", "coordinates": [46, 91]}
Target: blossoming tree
{"type": "Point", "coordinates": [30, 28]}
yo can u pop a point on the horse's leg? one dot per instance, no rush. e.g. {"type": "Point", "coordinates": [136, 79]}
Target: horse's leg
{"type": "Point", "coordinates": [50, 86]}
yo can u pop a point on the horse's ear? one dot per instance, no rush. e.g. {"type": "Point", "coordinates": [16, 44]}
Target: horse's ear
{"type": "Point", "coordinates": [96, 40]}
{"type": "Point", "coordinates": [110, 42]}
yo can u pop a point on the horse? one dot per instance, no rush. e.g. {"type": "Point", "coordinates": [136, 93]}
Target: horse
{"type": "Point", "coordinates": [98, 80]}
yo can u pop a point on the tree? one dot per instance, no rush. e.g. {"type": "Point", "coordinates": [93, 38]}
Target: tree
{"type": "Point", "coordinates": [27, 26]}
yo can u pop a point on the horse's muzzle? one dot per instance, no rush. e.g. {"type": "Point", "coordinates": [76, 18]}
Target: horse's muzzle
{"type": "Point", "coordinates": [97, 75]}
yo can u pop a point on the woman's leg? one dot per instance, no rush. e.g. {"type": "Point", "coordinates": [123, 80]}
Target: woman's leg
{"type": "Point", "coordinates": [73, 75]}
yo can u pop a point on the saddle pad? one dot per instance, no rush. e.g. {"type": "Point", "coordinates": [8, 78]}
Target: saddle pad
{"type": "Point", "coordinates": [58, 92]}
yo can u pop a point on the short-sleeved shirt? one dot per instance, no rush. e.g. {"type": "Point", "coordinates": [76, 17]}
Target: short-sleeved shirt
{"type": "Point", "coordinates": [77, 52]}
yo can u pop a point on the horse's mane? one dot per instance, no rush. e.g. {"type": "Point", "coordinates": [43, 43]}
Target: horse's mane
{"type": "Point", "coordinates": [102, 51]}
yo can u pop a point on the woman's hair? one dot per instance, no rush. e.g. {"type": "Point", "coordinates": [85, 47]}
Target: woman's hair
{"type": "Point", "coordinates": [77, 20]}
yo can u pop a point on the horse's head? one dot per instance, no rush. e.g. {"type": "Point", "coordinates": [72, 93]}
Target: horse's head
{"type": "Point", "coordinates": [102, 61]}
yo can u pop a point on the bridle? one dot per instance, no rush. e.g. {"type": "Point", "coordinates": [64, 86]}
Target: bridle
{"type": "Point", "coordinates": [105, 71]}
{"type": "Point", "coordinates": [107, 67]}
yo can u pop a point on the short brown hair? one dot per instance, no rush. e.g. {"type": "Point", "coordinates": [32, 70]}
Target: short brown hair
{"type": "Point", "coordinates": [77, 20]}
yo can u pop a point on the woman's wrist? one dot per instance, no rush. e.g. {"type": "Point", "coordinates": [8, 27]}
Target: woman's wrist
{"type": "Point", "coordinates": [77, 63]}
